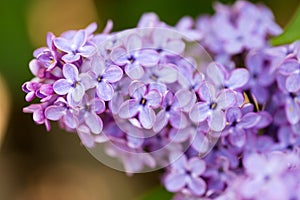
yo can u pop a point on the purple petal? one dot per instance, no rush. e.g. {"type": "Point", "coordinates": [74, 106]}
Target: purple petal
{"type": "Point", "coordinates": [79, 39]}
{"type": "Point", "coordinates": [167, 74]}
{"type": "Point", "coordinates": [54, 112]}
{"type": "Point", "coordinates": [98, 66]}
{"type": "Point", "coordinates": [147, 117]}
{"type": "Point", "coordinates": [98, 106]}
{"type": "Point", "coordinates": [115, 103]}
{"type": "Point", "coordinates": [105, 91]}
{"type": "Point", "coordinates": [233, 114]}
{"type": "Point", "coordinates": [178, 120]}
{"type": "Point", "coordinates": [128, 109]}
{"type": "Point", "coordinates": [94, 122]}
{"type": "Point", "coordinates": [134, 43]}
{"type": "Point", "coordinates": [87, 51]}
{"type": "Point", "coordinates": [160, 122]}
{"type": "Point", "coordinates": [226, 99]}
{"type": "Point", "coordinates": [292, 111]}
{"type": "Point", "coordinates": [199, 112]}
{"type": "Point", "coordinates": [70, 72]}
{"type": "Point", "coordinates": [216, 73]}
{"type": "Point", "coordinates": [85, 136]}
{"type": "Point", "coordinates": [182, 98]}
{"type": "Point", "coordinates": [78, 92]}
{"type": "Point", "coordinates": [63, 45]}
{"type": "Point", "coordinates": [217, 121]}
{"type": "Point", "coordinates": [289, 66]}
{"type": "Point", "coordinates": [238, 137]}
{"type": "Point", "coordinates": [153, 99]}
{"type": "Point", "coordinates": [238, 78]}
{"type": "Point", "coordinates": [137, 90]}
{"type": "Point", "coordinates": [62, 86]}
{"type": "Point", "coordinates": [197, 185]}
{"type": "Point", "coordinates": [200, 143]}
{"type": "Point", "coordinates": [207, 92]}
{"type": "Point", "coordinates": [70, 120]}
{"type": "Point", "coordinates": [293, 83]}
{"type": "Point", "coordinates": [70, 57]}
{"type": "Point", "coordinates": [174, 47]}
{"type": "Point", "coordinates": [249, 120]}
{"type": "Point", "coordinates": [119, 56]}
{"type": "Point", "coordinates": [134, 142]}
{"type": "Point", "coordinates": [148, 58]}
{"type": "Point", "coordinates": [174, 182]}
{"type": "Point", "coordinates": [196, 166]}
{"type": "Point", "coordinates": [113, 74]}
{"type": "Point", "coordinates": [134, 71]}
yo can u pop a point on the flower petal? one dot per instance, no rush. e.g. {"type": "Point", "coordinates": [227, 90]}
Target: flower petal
{"type": "Point", "coordinates": [70, 72]}
{"type": "Point", "coordinates": [238, 78]}
{"type": "Point", "coordinates": [196, 166]}
{"type": "Point", "coordinates": [133, 43]}
{"type": "Point", "coordinates": [128, 109]}
{"type": "Point", "coordinates": [147, 117]}
{"type": "Point", "coordinates": [113, 74]}
{"type": "Point", "coordinates": [62, 86]}
{"type": "Point", "coordinates": [134, 71]}
{"type": "Point", "coordinates": [249, 120]}
{"type": "Point", "coordinates": [105, 91]}
{"type": "Point", "coordinates": [78, 92]}
{"type": "Point", "coordinates": [94, 122]}
{"type": "Point", "coordinates": [174, 182]}
{"type": "Point", "coordinates": [63, 44]}
{"type": "Point", "coordinates": [217, 121]}
{"type": "Point", "coordinates": [54, 112]}
{"type": "Point", "coordinates": [199, 112]}
{"type": "Point", "coordinates": [167, 74]}
{"type": "Point", "coordinates": [79, 39]}
{"type": "Point", "coordinates": [226, 99]}
{"type": "Point", "coordinates": [148, 58]}
{"type": "Point", "coordinates": [160, 122]}
{"type": "Point", "coordinates": [197, 186]}
{"type": "Point", "coordinates": [293, 83]}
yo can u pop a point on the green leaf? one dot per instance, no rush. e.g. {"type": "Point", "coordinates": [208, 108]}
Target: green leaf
{"type": "Point", "coordinates": [158, 193]}
{"type": "Point", "coordinates": [291, 32]}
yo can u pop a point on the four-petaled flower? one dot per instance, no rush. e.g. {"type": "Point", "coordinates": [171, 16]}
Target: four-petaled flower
{"type": "Point", "coordinates": [185, 176]}
{"type": "Point", "coordinates": [75, 47]}
{"type": "Point", "coordinates": [134, 57]}
{"type": "Point", "coordinates": [143, 103]}
{"type": "Point", "coordinates": [102, 76]}
{"type": "Point", "coordinates": [212, 106]}
{"type": "Point", "coordinates": [70, 85]}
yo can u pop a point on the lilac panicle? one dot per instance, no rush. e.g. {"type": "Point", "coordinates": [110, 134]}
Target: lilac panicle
{"type": "Point", "coordinates": [226, 128]}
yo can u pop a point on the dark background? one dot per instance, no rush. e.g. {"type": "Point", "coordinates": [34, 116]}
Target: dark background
{"type": "Point", "coordinates": [38, 165]}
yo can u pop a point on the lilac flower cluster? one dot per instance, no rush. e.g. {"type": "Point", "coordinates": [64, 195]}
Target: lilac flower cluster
{"type": "Point", "coordinates": [223, 129]}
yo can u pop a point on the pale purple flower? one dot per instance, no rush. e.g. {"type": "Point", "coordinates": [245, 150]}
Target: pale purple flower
{"type": "Point", "coordinates": [134, 57]}
{"type": "Point", "coordinates": [46, 56]}
{"type": "Point", "coordinates": [264, 175]}
{"type": "Point", "coordinates": [30, 88]}
{"type": "Point", "coordinates": [61, 110]}
{"type": "Point", "coordinates": [102, 77]}
{"type": "Point", "coordinates": [185, 176]}
{"type": "Point", "coordinates": [291, 69]}
{"type": "Point", "coordinates": [71, 85]}
{"type": "Point", "coordinates": [143, 103]}
{"type": "Point", "coordinates": [169, 44]}
{"type": "Point", "coordinates": [171, 112]}
{"type": "Point", "coordinates": [211, 107]}
{"type": "Point", "coordinates": [238, 124]}
{"type": "Point", "coordinates": [38, 111]}
{"type": "Point", "coordinates": [75, 47]}
{"type": "Point", "coordinates": [186, 27]}
{"type": "Point", "coordinates": [164, 74]}
{"type": "Point", "coordinates": [88, 114]}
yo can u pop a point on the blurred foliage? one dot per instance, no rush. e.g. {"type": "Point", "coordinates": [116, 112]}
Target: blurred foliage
{"type": "Point", "coordinates": [158, 193]}
{"type": "Point", "coordinates": [291, 32]}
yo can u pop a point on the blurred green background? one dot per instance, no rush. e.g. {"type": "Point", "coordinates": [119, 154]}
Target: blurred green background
{"type": "Point", "coordinates": [38, 165]}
